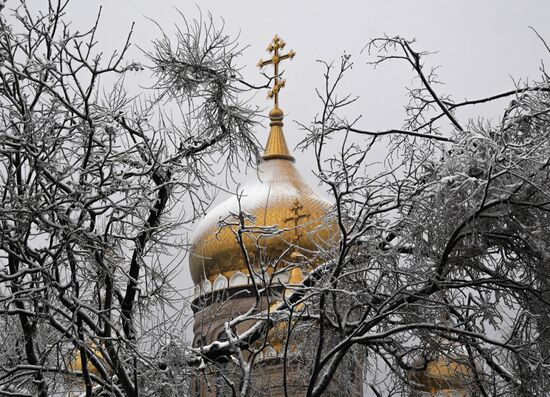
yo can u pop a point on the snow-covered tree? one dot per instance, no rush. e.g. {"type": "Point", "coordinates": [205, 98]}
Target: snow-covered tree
{"type": "Point", "coordinates": [94, 182]}
{"type": "Point", "coordinates": [443, 251]}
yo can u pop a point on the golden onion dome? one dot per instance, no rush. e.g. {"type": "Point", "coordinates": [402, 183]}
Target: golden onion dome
{"type": "Point", "coordinates": [75, 363]}
{"type": "Point", "coordinates": [279, 198]}
{"type": "Point", "coordinates": [443, 376]}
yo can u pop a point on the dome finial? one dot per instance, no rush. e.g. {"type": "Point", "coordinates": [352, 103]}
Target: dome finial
{"type": "Point", "coordinates": [276, 147]}
{"type": "Point", "coordinates": [273, 48]}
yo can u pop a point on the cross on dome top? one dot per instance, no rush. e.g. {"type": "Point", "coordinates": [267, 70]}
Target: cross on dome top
{"type": "Point", "coordinates": [276, 147]}
{"type": "Point", "coordinates": [273, 48]}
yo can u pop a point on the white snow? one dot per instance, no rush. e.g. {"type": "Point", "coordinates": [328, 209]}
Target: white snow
{"type": "Point", "coordinates": [267, 186]}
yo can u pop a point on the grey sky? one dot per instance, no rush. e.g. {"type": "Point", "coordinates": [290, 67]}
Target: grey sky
{"type": "Point", "coordinates": [481, 44]}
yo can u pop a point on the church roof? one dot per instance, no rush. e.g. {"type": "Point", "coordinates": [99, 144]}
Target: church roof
{"type": "Point", "coordinates": [287, 216]}
{"type": "Point", "coordinates": [284, 218]}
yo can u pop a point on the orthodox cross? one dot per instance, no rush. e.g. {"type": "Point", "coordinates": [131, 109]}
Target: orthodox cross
{"type": "Point", "coordinates": [274, 47]}
{"type": "Point", "coordinates": [296, 208]}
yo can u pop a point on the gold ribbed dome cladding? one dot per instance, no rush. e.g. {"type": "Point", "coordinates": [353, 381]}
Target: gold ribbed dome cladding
{"type": "Point", "coordinates": [278, 196]}
{"type": "Point", "coordinates": [443, 374]}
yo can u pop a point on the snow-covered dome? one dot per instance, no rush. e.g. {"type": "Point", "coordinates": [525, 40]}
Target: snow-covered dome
{"type": "Point", "coordinates": [290, 220]}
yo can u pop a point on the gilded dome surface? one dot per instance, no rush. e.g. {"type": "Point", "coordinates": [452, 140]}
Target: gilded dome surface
{"type": "Point", "coordinates": [280, 202]}
{"type": "Point", "coordinates": [75, 363]}
{"type": "Point", "coordinates": [443, 375]}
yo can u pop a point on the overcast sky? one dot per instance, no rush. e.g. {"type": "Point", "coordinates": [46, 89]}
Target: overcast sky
{"type": "Point", "coordinates": [481, 46]}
